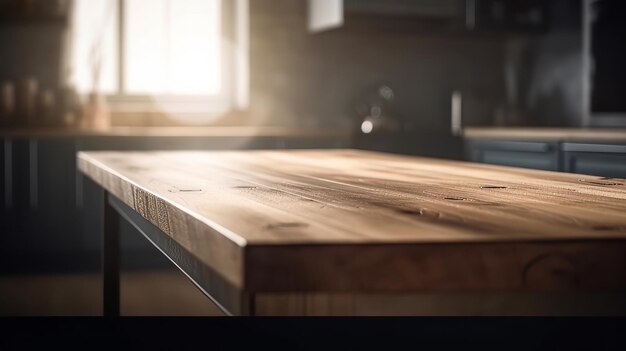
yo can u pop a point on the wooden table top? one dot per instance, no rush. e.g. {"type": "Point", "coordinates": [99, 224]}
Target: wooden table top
{"type": "Point", "coordinates": [351, 220]}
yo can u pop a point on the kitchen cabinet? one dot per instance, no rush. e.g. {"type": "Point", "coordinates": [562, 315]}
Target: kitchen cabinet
{"type": "Point", "coordinates": [417, 8]}
{"type": "Point", "coordinates": [52, 198]}
{"type": "Point", "coordinates": [511, 16]}
{"type": "Point", "coordinates": [15, 208]}
{"type": "Point", "coordinates": [607, 160]}
{"type": "Point", "coordinates": [7, 221]}
{"type": "Point", "coordinates": [39, 216]}
{"type": "Point", "coordinates": [526, 154]}
{"type": "Point", "coordinates": [575, 151]}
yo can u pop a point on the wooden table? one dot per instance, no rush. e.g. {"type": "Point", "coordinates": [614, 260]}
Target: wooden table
{"type": "Point", "coordinates": [353, 232]}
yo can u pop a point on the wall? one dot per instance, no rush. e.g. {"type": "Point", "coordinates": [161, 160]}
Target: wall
{"type": "Point", "coordinates": [313, 80]}
{"type": "Point", "coordinates": [304, 79]}
{"type": "Point", "coordinates": [32, 49]}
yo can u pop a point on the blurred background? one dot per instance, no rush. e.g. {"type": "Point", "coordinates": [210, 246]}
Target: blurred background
{"type": "Point", "coordinates": [476, 80]}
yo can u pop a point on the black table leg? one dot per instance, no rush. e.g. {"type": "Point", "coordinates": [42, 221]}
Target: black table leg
{"type": "Point", "coordinates": [111, 260]}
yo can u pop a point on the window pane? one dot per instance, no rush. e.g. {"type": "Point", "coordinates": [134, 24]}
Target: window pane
{"type": "Point", "coordinates": [172, 47]}
{"type": "Point", "coordinates": [94, 34]}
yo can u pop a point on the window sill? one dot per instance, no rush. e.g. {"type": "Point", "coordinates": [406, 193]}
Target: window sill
{"type": "Point", "coordinates": [179, 132]}
{"type": "Point", "coordinates": [154, 118]}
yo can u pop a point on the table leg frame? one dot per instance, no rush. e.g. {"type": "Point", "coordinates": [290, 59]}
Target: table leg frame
{"type": "Point", "coordinates": [231, 300]}
{"type": "Point", "coordinates": [111, 261]}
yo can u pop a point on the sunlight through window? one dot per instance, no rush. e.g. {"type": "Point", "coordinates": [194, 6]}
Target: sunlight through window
{"type": "Point", "coordinates": [172, 47]}
{"type": "Point", "coordinates": [169, 47]}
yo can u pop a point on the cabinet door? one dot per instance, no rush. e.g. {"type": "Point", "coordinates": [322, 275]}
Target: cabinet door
{"type": "Point", "coordinates": [15, 239]}
{"type": "Point", "coordinates": [7, 220]}
{"type": "Point", "coordinates": [52, 195]}
{"type": "Point", "coordinates": [605, 160]}
{"type": "Point", "coordinates": [526, 154]}
{"type": "Point", "coordinates": [20, 203]}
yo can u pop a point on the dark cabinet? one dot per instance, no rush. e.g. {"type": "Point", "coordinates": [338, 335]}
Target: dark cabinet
{"type": "Point", "coordinates": [483, 15]}
{"type": "Point", "coordinates": [592, 158]}
{"type": "Point", "coordinates": [527, 154]}
{"type": "Point", "coordinates": [7, 220]}
{"type": "Point", "coordinates": [509, 15]}
{"type": "Point", "coordinates": [16, 218]}
{"type": "Point", "coordinates": [52, 198]}
{"type": "Point", "coordinates": [606, 160]}
{"type": "Point", "coordinates": [39, 214]}
{"type": "Point", "coordinates": [444, 9]}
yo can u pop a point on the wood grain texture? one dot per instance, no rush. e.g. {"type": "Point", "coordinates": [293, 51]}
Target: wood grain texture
{"type": "Point", "coordinates": [354, 221]}
{"type": "Point", "coordinates": [420, 304]}
{"type": "Point", "coordinates": [416, 304]}
{"type": "Point", "coordinates": [562, 134]}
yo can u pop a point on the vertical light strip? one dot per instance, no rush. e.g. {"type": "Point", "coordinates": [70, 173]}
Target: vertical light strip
{"type": "Point", "coordinates": [587, 75]}
{"type": "Point", "coordinates": [8, 173]}
{"type": "Point", "coordinates": [32, 163]}
{"type": "Point", "coordinates": [242, 68]}
{"type": "Point", "coordinates": [167, 38]}
{"type": "Point", "coordinates": [121, 14]}
{"type": "Point", "coordinates": [470, 14]}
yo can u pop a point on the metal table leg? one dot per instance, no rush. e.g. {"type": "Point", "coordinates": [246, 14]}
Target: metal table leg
{"type": "Point", "coordinates": [111, 261]}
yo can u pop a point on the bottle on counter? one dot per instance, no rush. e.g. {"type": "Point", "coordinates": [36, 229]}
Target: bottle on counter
{"type": "Point", "coordinates": [46, 108]}
{"type": "Point", "coordinates": [7, 103]}
{"type": "Point", "coordinates": [69, 109]}
{"type": "Point", "coordinates": [26, 101]}
{"type": "Point", "coordinates": [375, 112]}
{"type": "Point", "coordinates": [95, 112]}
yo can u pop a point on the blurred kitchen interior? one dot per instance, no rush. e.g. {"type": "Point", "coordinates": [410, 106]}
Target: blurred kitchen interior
{"type": "Point", "coordinates": [418, 77]}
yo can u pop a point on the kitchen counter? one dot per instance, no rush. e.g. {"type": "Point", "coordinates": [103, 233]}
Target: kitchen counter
{"type": "Point", "coordinates": [600, 152]}
{"type": "Point", "coordinates": [320, 231]}
{"type": "Point", "coordinates": [174, 132]}
{"type": "Point", "coordinates": [555, 134]}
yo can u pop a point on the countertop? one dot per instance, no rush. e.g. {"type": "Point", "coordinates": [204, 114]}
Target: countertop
{"type": "Point", "coordinates": [551, 134]}
{"type": "Point", "coordinates": [173, 132]}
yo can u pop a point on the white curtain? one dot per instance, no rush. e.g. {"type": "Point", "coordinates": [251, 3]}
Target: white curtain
{"type": "Point", "coordinates": [93, 53]}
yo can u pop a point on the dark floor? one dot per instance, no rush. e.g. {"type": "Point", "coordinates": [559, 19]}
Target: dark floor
{"type": "Point", "coordinates": [143, 293]}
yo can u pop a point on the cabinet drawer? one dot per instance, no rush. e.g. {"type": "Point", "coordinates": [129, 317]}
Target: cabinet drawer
{"type": "Point", "coordinates": [605, 160]}
{"type": "Point", "coordinates": [537, 155]}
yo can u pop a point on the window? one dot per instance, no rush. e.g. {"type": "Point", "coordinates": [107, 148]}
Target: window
{"type": "Point", "coordinates": [181, 57]}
